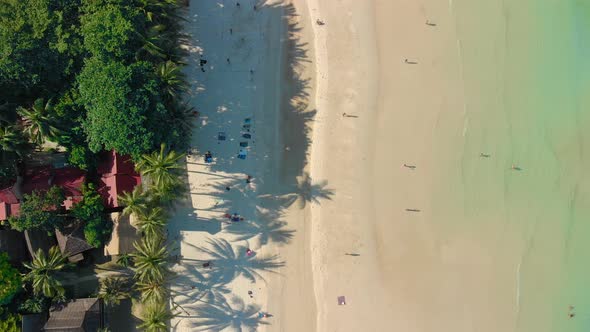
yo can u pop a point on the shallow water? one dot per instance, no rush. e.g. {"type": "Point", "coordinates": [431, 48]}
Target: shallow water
{"type": "Point", "coordinates": [525, 70]}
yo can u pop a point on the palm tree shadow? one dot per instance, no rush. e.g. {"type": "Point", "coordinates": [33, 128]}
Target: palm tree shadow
{"type": "Point", "coordinates": [312, 192]}
{"type": "Point", "coordinates": [202, 288]}
{"type": "Point", "coordinates": [229, 262]}
{"type": "Point", "coordinates": [234, 314]}
{"type": "Point", "coordinates": [266, 226]}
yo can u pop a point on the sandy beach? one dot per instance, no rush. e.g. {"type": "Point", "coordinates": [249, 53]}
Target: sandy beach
{"type": "Point", "coordinates": [250, 91]}
{"type": "Point", "coordinates": [403, 155]}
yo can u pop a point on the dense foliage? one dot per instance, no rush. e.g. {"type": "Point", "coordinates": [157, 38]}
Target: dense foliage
{"type": "Point", "coordinates": [90, 211]}
{"type": "Point", "coordinates": [110, 68]}
{"type": "Point", "coordinates": [40, 210]}
{"type": "Point", "coordinates": [10, 323]}
{"type": "Point", "coordinates": [9, 279]}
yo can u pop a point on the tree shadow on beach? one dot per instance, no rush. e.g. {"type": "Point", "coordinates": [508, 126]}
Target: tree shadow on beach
{"type": "Point", "coordinates": [233, 314]}
{"type": "Point", "coordinates": [266, 227]}
{"type": "Point", "coordinates": [229, 262]}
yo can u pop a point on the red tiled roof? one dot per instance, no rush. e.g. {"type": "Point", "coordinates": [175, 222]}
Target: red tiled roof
{"type": "Point", "coordinates": [112, 163]}
{"type": "Point", "coordinates": [70, 179]}
{"type": "Point", "coordinates": [118, 175]}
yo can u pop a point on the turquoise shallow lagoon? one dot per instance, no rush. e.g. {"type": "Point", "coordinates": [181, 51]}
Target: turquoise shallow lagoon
{"type": "Point", "coordinates": [525, 67]}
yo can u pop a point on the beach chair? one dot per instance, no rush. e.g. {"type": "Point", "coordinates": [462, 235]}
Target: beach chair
{"type": "Point", "coordinates": [243, 144]}
{"type": "Point", "coordinates": [242, 154]}
{"type": "Point", "coordinates": [221, 136]}
{"type": "Point", "coordinates": [246, 135]}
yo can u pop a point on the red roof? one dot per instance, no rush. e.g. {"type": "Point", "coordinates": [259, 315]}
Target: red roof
{"type": "Point", "coordinates": [70, 179]}
{"type": "Point", "coordinates": [118, 175]}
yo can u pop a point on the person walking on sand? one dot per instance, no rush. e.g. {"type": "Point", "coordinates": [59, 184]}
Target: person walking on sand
{"type": "Point", "coordinates": [238, 4]}
{"type": "Point", "coordinates": [228, 62]}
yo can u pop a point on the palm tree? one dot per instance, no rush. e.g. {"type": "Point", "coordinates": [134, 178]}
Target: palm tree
{"type": "Point", "coordinates": [152, 291]}
{"type": "Point", "coordinates": [124, 260]}
{"type": "Point", "coordinates": [42, 274]}
{"type": "Point", "coordinates": [155, 318]}
{"type": "Point", "coordinates": [152, 223]}
{"type": "Point", "coordinates": [181, 116]}
{"type": "Point", "coordinates": [172, 78]}
{"type": "Point", "coordinates": [150, 259]}
{"type": "Point", "coordinates": [12, 141]}
{"type": "Point", "coordinates": [134, 201]}
{"type": "Point", "coordinates": [151, 40]}
{"type": "Point", "coordinates": [165, 194]}
{"type": "Point", "coordinates": [113, 290]}
{"type": "Point", "coordinates": [154, 9]}
{"type": "Point", "coordinates": [37, 121]}
{"type": "Point", "coordinates": [161, 167]}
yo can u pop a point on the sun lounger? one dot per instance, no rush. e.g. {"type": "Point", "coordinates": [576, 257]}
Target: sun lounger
{"type": "Point", "coordinates": [221, 136]}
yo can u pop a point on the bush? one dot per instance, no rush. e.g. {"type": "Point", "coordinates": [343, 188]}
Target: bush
{"type": "Point", "coordinates": [91, 211]}
{"type": "Point", "coordinates": [9, 279]}
{"type": "Point", "coordinates": [11, 323]}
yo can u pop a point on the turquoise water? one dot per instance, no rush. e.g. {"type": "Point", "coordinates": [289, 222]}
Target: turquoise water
{"type": "Point", "coordinates": [526, 75]}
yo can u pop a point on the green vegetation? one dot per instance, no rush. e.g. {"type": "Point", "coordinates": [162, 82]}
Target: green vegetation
{"type": "Point", "coordinates": [91, 75]}
{"type": "Point", "coordinates": [10, 323]}
{"type": "Point", "coordinates": [40, 211]}
{"type": "Point", "coordinates": [90, 211]}
{"type": "Point", "coordinates": [155, 318]}
{"type": "Point", "coordinates": [42, 273]}
{"type": "Point", "coordinates": [113, 290]}
{"type": "Point", "coordinates": [94, 75]}
{"type": "Point", "coordinates": [9, 279]}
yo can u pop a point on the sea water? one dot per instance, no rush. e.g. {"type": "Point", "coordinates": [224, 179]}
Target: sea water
{"type": "Point", "coordinates": [521, 177]}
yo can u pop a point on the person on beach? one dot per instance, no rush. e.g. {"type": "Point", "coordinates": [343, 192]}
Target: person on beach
{"type": "Point", "coordinates": [237, 4]}
{"type": "Point", "coordinates": [228, 62]}
{"type": "Point", "coordinates": [250, 294]}
{"type": "Point", "coordinates": [231, 31]}
{"type": "Point", "coordinates": [248, 179]}
{"type": "Point", "coordinates": [255, 8]}
{"type": "Point", "coordinates": [409, 166]}
{"type": "Point", "coordinates": [249, 252]}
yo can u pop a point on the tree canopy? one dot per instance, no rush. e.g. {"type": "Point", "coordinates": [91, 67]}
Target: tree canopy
{"type": "Point", "coordinates": [40, 210]}
{"type": "Point", "coordinates": [90, 212]}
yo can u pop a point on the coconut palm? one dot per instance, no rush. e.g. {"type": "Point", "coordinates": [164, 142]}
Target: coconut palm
{"type": "Point", "coordinates": [172, 78]}
{"type": "Point", "coordinates": [152, 40]}
{"type": "Point", "coordinates": [165, 194]}
{"type": "Point", "coordinates": [154, 9]}
{"type": "Point", "coordinates": [152, 291]}
{"type": "Point", "coordinates": [12, 141]}
{"type": "Point", "coordinates": [113, 290]}
{"type": "Point", "coordinates": [152, 223]}
{"type": "Point", "coordinates": [161, 167]}
{"type": "Point", "coordinates": [43, 269]}
{"type": "Point", "coordinates": [150, 259]}
{"type": "Point", "coordinates": [37, 121]}
{"type": "Point", "coordinates": [155, 318]}
{"type": "Point", "coordinates": [134, 201]}
{"type": "Point", "coordinates": [181, 116]}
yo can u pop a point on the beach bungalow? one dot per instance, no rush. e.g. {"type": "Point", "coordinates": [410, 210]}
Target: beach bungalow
{"type": "Point", "coordinates": [70, 179]}
{"type": "Point", "coordinates": [79, 315]}
{"type": "Point", "coordinates": [117, 175]}
{"type": "Point", "coordinates": [72, 243]}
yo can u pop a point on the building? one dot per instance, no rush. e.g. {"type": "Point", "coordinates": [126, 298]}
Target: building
{"type": "Point", "coordinates": [80, 315]}
{"type": "Point", "coordinates": [70, 179]}
{"type": "Point", "coordinates": [117, 175]}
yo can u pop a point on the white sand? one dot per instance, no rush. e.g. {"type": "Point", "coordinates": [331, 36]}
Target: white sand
{"type": "Point", "coordinates": [273, 206]}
